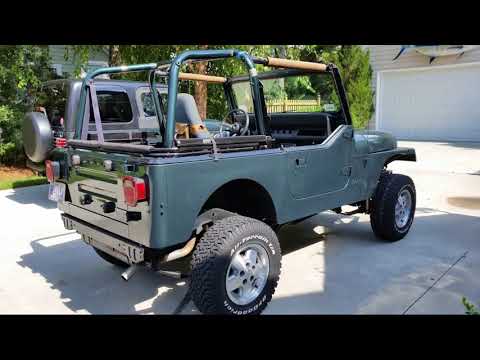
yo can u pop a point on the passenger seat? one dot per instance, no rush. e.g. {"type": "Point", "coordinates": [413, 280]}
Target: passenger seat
{"type": "Point", "coordinates": [186, 112]}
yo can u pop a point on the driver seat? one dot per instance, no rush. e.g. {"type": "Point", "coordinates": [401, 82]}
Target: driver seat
{"type": "Point", "coordinates": [186, 112]}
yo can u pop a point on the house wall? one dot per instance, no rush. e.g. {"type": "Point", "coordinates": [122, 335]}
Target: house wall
{"type": "Point", "coordinates": [65, 68]}
{"type": "Point", "coordinates": [381, 58]}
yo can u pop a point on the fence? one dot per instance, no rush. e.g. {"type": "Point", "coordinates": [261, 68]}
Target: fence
{"type": "Point", "coordinates": [293, 106]}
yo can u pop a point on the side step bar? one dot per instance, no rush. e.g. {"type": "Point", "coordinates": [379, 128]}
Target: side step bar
{"type": "Point", "coordinates": [107, 242]}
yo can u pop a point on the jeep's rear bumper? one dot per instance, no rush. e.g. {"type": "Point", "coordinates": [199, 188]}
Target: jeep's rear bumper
{"type": "Point", "coordinates": [112, 244]}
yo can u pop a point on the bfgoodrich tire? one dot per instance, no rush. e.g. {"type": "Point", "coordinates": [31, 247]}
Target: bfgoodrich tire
{"type": "Point", "coordinates": [109, 258]}
{"type": "Point", "coordinates": [235, 267]}
{"type": "Point", "coordinates": [393, 207]}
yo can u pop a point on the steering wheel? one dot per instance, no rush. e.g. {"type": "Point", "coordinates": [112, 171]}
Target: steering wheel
{"type": "Point", "coordinates": [235, 129]}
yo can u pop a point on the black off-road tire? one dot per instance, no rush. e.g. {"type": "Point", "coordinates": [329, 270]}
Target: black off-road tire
{"type": "Point", "coordinates": [212, 258]}
{"type": "Point", "coordinates": [109, 258]}
{"type": "Point", "coordinates": [382, 215]}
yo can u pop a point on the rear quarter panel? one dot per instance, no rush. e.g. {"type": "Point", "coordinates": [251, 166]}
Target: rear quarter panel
{"type": "Point", "coordinates": [180, 187]}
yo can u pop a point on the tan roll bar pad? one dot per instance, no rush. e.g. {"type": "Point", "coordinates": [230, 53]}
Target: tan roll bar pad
{"type": "Point", "coordinates": [295, 64]}
{"type": "Point", "coordinates": [200, 77]}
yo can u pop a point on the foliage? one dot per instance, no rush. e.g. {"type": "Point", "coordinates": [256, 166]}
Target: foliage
{"type": "Point", "coordinates": [22, 69]}
{"type": "Point", "coordinates": [469, 307]}
{"type": "Point", "coordinates": [11, 125]}
{"type": "Point", "coordinates": [354, 66]}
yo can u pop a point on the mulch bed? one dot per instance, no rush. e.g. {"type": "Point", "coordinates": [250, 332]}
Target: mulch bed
{"type": "Point", "coordinates": [14, 172]}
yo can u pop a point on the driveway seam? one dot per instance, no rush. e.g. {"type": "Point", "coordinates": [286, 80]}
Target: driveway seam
{"type": "Point", "coordinates": [435, 282]}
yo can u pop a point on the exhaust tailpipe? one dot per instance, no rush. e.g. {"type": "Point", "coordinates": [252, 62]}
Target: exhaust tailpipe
{"type": "Point", "coordinates": [127, 274]}
{"type": "Point", "coordinates": [177, 254]}
{"type": "Point", "coordinates": [172, 274]}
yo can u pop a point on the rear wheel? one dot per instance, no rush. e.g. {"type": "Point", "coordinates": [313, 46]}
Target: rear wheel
{"type": "Point", "coordinates": [393, 207]}
{"type": "Point", "coordinates": [109, 258]}
{"type": "Point", "coordinates": [235, 267]}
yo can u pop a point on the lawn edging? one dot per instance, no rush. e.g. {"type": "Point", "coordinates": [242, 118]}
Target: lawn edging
{"type": "Point", "coordinates": [23, 182]}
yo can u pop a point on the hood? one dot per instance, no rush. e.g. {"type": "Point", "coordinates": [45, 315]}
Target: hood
{"type": "Point", "coordinates": [379, 141]}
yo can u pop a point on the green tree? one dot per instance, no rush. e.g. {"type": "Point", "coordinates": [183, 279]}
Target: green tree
{"type": "Point", "coordinates": [22, 69]}
{"type": "Point", "coordinates": [354, 66]}
{"type": "Point", "coordinates": [470, 309]}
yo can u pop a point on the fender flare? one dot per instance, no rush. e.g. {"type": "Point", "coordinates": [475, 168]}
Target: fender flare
{"type": "Point", "coordinates": [404, 154]}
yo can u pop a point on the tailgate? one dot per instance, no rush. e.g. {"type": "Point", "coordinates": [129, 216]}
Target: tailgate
{"type": "Point", "coordinates": [96, 194]}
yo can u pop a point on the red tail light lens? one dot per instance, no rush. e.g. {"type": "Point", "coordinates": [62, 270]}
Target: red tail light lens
{"type": "Point", "coordinates": [60, 142]}
{"type": "Point", "coordinates": [134, 190]}
{"type": "Point", "coordinates": [52, 170]}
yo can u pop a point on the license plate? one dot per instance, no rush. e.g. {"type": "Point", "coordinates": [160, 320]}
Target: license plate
{"type": "Point", "coordinates": [56, 192]}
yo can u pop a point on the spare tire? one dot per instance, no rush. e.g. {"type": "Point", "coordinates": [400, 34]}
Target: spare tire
{"type": "Point", "coordinates": [37, 136]}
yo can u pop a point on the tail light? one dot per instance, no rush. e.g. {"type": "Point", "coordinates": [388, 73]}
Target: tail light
{"type": "Point", "coordinates": [134, 190]}
{"type": "Point", "coordinates": [60, 142]}
{"type": "Point", "coordinates": [52, 169]}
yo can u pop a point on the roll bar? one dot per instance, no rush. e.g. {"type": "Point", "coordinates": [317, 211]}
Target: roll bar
{"type": "Point", "coordinates": [209, 55]}
{"type": "Point", "coordinates": [174, 75]}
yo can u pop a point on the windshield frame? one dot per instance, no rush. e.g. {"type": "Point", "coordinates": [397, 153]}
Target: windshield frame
{"type": "Point", "coordinates": [283, 73]}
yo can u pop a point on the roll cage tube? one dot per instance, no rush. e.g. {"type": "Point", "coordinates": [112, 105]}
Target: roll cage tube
{"type": "Point", "coordinates": [208, 55]}
{"type": "Point", "coordinates": [107, 70]}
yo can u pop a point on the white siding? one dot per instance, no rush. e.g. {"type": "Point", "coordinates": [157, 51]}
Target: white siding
{"type": "Point", "coordinates": [381, 58]}
{"type": "Point", "coordinates": [57, 54]}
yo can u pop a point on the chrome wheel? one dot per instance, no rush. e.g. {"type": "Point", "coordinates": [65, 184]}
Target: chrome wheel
{"type": "Point", "coordinates": [403, 208]}
{"type": "Point", "coordinates": [247, 274]}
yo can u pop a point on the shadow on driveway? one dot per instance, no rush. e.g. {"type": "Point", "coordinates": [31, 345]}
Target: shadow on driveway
{"type": "Point", "coordinates": [37, 195]}
{"type": "Point", "coordinates": [88, 283]}
{"type": "Point", "coordinates": [360, 272]}
{"type": "Point", "coordinates": [463, 144]}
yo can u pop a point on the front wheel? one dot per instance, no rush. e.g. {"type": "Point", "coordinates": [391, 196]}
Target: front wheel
{"type": "Point", "coordinates": [235, 267]}
{"type": "Point", "coordinates": [393, 207]}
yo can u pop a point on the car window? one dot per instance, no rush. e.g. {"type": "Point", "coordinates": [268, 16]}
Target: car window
{"type": "Point", "coordinates": [243, 96]}
{"type": "Point", "coordinates": [114, 107]}
{"type": "Point", "coordinates": [148, 105]}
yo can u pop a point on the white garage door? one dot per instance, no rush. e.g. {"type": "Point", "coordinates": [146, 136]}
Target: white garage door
{"type": "Point", "coordinates": [439, 103]}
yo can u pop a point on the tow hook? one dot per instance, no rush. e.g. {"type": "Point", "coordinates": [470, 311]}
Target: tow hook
{"type": "Point", "coordinates": [127, 274]}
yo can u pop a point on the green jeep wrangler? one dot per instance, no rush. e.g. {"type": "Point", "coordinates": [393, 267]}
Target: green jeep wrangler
{"type": "Point", "coordinates": [217, 190]}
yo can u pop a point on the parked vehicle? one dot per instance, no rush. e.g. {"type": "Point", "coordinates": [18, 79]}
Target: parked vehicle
{"type": "Point", "coordinates": [126, 109]}
{"type": "Point", "coordinates": [219, 190]}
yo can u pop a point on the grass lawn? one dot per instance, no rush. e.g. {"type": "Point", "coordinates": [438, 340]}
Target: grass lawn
{"type": "Point", "coordinates": [14, 177]}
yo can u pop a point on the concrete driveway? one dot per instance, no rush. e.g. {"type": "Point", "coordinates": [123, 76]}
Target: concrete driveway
{"type": "Point", "coordinates": [332, 264]}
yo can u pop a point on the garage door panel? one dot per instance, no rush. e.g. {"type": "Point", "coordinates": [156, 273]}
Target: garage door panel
{"type": "Point", "coordinates": [433, 104]}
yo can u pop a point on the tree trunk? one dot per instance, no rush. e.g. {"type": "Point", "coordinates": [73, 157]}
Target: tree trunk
{"type": "Point", "coordinates": [200, 92]}
{"type": "Point", "coordinates": [114, 55]}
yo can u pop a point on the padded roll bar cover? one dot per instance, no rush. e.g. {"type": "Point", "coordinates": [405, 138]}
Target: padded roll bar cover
{"type": "Point", "coordinates": [201, 77]}
{"type": "Point", "coordinates": [37, 136]}
{"type": "Point", "coordinates": [295, 64]}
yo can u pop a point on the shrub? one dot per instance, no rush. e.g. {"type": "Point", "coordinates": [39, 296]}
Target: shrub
{"type": "Point", "coordinates": [22, 69]}
{"type": "Point", "coordinates": [469, 307]}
